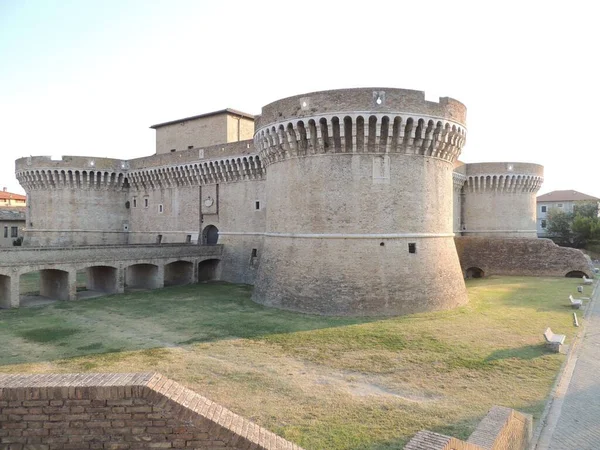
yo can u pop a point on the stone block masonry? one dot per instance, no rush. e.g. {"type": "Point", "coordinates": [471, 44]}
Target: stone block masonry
{"type": "Point", "coordinates": [501, 429]}
{"type": "Point", "coordinates": [119, 412]}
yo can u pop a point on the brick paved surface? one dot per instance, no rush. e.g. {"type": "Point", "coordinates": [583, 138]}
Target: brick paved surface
{"type": "Point", "coordinates": [574, 418]}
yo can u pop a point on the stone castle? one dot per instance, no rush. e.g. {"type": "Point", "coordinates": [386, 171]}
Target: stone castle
{"type": "Point", "coordinates": [348, 202]}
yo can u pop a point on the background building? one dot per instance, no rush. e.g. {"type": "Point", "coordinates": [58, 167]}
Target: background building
{"type": "Point", "coordinates": [565, 201]}
{"type": "Point", "coordinates": [12, 223]}
{"type": "Point", "coordinates": [9, 199]}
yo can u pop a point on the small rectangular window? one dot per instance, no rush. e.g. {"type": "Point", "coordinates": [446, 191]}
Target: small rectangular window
{"type": "Point", "coordinates": [544, 208]}
{"type": "Point", "coordinates": [254, 252]}
{"type": "Point", "coordinates": [560, 205]}
{"type": "Point", "coordinates": [543, 224]}
{"type": "Point", "coordinates": [190, 147]}
{"type": "Point", "coordinates": [412, 247]}
{"type": "Point", "coordinates": [145, 203]}
{"type": "Point", "coordinates": [5, 232]}
{"type": "Point", "coordinates": [160, 208]}
{"type": "Point", "coordinates": [257, 205]}
{"type": "Point", "coordinates": [188, 239]}
{"type": "Point", "coordinates": [172, 150]}
{"type": "Point", "coordinates": [134, 202]}
{"type": "Point", "coordinates": [159, 239]}
{"type": "Point", "coordinates": [14, 231]}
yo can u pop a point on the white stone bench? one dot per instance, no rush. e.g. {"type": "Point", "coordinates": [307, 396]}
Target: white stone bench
{"type": "Point", "coordinates": [576, 302]}
{"type": "Point", "coordinates": [587, 280]}
{"type": "Point", "coordinates": [554, 341]}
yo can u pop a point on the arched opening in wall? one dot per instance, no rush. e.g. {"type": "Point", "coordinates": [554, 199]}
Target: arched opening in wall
{"type": "Point", "coordinates": [210, 235]}
{"type": "Point", "coordinates": [5, 292]}
{"type": "Point", "coordinates": [576, 274]}
{"type": "Point", "coordinates": [99, 281]}
{"type": "Point", "coordinates": [40, 287]}
{"type": "Point", "coordinates": [325, 134]}
{"type": "Point", "coordinates": [360, 134]}
{"type": "Point", "coordinates": [208, 270]}
{"type": "Point", "coordinates": [142, 276]}
{"type": "Point", "coordinates": [474, 272]}
{"type": "Point", "coordinates": [179, 273]}
{"type": "Point", "coordinates": [371, 140]}
{"type": "Point", "coordinates": [312, 127]}
{"type": "Point", "coordinates": [396, 132]}
{"type": "Point", "coordinates": [348, 134]}
{"type": "Point", "coordinates": [337, 139]}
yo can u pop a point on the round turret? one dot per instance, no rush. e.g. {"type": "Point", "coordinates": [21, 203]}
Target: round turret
{"type": "Point", "coordinates": [74, 200]}
{"type": "Point", "coordinates": [499, 199]}
{"type": "Point", "coordinates": [359, 195]}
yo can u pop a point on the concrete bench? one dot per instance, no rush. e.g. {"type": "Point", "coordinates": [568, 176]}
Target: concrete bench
{"type": "Point", "coordinates": [587, 280]}
{"type": "Point", "coordinates": [576, 302]}
{"type": "Point", "coordinates": [554, 341]}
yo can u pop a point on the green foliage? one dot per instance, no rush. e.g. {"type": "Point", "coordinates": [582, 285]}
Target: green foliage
{"type": "Point", "coordinates": [559, 226]}
{"type": "Point", "coordinates": [586, 209]}
{"type": "Point", "coordinates": [575, 229]}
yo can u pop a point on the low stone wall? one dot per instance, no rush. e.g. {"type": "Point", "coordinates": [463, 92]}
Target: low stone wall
{"type": "Point", "coordinates": [501, 429]}
{"type": "Point", "coordinates": [529, 257]}
{"type": "Point", "coordinates": [119, 412]}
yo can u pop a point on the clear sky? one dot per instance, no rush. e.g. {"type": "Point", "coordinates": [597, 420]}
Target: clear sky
{"type": "Point", "coordinates": [89, 77]}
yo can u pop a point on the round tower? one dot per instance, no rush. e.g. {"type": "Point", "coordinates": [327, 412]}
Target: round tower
{"type": "Point", "coordinates": [359, 197]}
{"type": "Point", "coordinates": [74, 200]}
{"type": "Point", "coordinates": [499, 199]}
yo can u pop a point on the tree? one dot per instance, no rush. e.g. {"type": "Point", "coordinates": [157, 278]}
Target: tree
{"type": "Point", "coordinates": [577, 229]}
{"type": "Point", "coordinates": [559, 226]}
{"type": "Point", "coordinates": [586, 209]}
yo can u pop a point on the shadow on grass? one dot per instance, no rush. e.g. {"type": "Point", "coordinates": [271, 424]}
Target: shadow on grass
{"type": "Point", "coordinates": [526, 352]}
{"type": "Point", "coordinates": [166, 317]}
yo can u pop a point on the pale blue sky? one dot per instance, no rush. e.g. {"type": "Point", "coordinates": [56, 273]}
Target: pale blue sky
{"type": "Point", "coordinates": [89, 77]}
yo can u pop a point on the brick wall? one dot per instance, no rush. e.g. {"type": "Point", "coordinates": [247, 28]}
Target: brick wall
{"type": "Point", "coordinates": [119, 412]}
{"type": "Point", "coordinates": [501, 429]}
{"type": "Point", "coordinates": [529, 257]}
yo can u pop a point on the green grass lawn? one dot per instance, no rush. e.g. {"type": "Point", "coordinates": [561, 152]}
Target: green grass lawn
{"type": "Point", "coordinates": [335, 383]}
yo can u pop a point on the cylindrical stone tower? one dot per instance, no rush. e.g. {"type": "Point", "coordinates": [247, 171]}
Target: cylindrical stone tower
{"type": "Point", "coordinates": [359, 198]}
{"type": "Point", "coordinates": [499, 199]}
{"type": "Point", "coordinates": [74, 200]}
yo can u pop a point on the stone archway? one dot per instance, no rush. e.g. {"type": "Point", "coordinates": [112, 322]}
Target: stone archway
{"type": "Point", "coordinates": [208, 270]}
{"type": "Point", "coordinates": [474, 272]}
{"type": "Point", "coordinates": [210, 235]}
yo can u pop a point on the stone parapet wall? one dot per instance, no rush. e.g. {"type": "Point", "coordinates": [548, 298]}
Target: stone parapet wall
{"type": "Point", "coordinates": [119, 412]}
{"type": "Point", "coordinates": [501, 429]}
{"type": "Point", "coordinates": [520, 257]}
{"type": "Point", "coordinates": [361, 99]}
{"type": "Point", "coordinates": [56, 255]}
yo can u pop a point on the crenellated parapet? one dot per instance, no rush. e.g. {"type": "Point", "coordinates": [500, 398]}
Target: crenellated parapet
{"type": "Point", "coordinates": [499, 199]}
{"type": "Point", "coordinates": [226, 170]}
{"type": "Point", "coordinates": [458, 180]}
{"type": "Point", "coordinates": [378, 133]}
{"type": "Point", "coordinates": [504, 177]}
{"type": "Point", "coordinates": [504, 183]}
{"type": "Point", "coordinates": [371, 121]}
{"type": "Point", "coordinates": [71, 172]}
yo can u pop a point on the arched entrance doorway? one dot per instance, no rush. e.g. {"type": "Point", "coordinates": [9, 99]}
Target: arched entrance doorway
{"type": "Point", "coordinates": [210, 235]}
{"type": "Point", "coordinates": [474, 272]}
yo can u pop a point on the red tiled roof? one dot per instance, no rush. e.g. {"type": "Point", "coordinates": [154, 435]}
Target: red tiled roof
{"type": "Point", "coordinates": [9, 195]}
{"type": "Point", "coordinates": [565, 196]}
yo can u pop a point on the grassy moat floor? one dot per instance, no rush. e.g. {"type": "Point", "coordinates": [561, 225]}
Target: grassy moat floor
{"type": "Point", "coordinates": [323, 383]}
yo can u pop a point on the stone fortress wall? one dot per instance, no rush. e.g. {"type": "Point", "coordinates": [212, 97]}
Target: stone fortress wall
{"type": "Point", "coordinates": [344, 202]}
{"type": "Point", "coordinates": [360, 202]}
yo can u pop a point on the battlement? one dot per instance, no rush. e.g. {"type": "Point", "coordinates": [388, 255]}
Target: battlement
{"type": "Point", "coordinates": [362, 100]}
{"type": "Point", "coordinates": [225, 170]}
{"type": "Point", "coordinates": [75, 172]}
{"type": "Point", "coordinates": [350, 132]}
{"type": "Point", "coordinates": [370, 120]}
{"type": "Point", "coordinates": [507, 177]}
